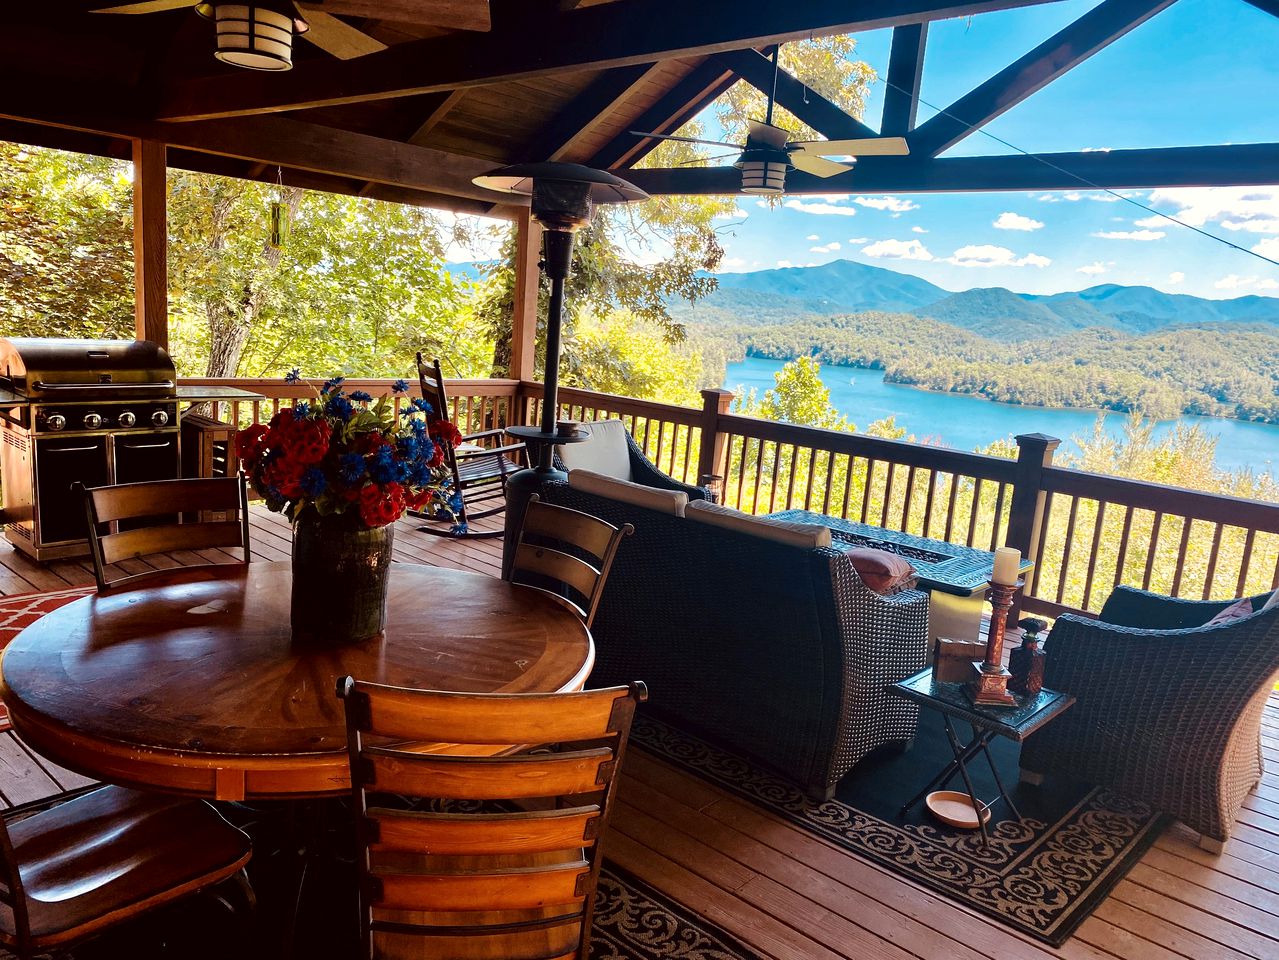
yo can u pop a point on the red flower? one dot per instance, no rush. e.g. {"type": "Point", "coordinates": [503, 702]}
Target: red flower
{"type": "Point", "coordinates": [309, 441]}
{"type": "Point", "coordinates": [443, 431]}
{"type": "Point", "coordinates": [380, 505]}
{"type": "Point", "coordinates": [285, 474]}
{"type": "Point", "coordinates": [249, 444]}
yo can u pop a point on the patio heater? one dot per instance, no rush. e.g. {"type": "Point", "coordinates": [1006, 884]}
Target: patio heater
{"type": "Point", "coordinates": [563, 197]}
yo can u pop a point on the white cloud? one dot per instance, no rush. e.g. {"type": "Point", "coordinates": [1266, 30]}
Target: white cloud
{"type": "Point", "coordinates": [785, 263]}
{"type": "Point", "coordinates": [1015, 221]}
{"type": "Point", "coordinates": [1096, 268]}
{"type": "Point", "coordinates": [989, 255]}
{"type": "Point", "coordinates": [821, 209]}
{"type": "Point", "coordinates": [1250, 209]}
{"type": "Point", "coordinates": [1074, 196]}
{"type": "Point", "coordinates": [729, 264]}
{"type": "Point", "coordinates": [1130, 234]}
{"type": "Point", "coordinates": [1176, 277]}
{"type": "Point", "coordinates": [1155, 221]}
{"type": "Point", "coordinates": [737, 213]}
{"type": "Point", "coordinates": [895, 204]}
{"type": "Point", "coordinates": [1095, 150]}
{"type": "Point", "coordinates": [1236, 282]}
{"type": "Point", "coordinates": [812, 237]}
{"type": "Point", "coordinates": [918, 230]}
{"type": "Point", "coordinates": [1269, 247]}
{"type": "Point", "coordinates": [826, 248]}
{"type": "Point", "coordinates": [898, 250]}
{"type": "Point", "coordinates": [859, 240]}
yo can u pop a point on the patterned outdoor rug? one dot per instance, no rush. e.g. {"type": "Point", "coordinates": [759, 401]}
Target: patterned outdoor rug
{"type": "Point", "coordinates": [22, 611]}
{"type": "Point", "coordinates": [1042, 875]}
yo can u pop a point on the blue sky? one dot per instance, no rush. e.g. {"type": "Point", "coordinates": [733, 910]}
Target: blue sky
{"type": "Point", "coordinates": [1201, 72]}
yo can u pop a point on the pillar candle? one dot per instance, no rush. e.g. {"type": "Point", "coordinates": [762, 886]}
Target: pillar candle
{"type": "Point", "coordinates": [1007, 565]}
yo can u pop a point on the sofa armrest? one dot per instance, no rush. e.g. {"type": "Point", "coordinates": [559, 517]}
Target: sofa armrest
{"type": "Point", "coordinates": [644, 471]}
{"type": "Point", "coordinates": [1130, 607]}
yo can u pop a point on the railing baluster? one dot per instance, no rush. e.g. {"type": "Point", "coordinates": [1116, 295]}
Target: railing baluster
{"type": "Point", "coordinates": [950, 507]}
{"type": "Point", "coordinates": [910, 493]}
{"type": "Point", "coordinates": [772, 487]}
{"type": "Point", "coordinates": [830, 477]}
{"type": "Point", "coordinates": [1092, 553]}
{"type": "Point", "coordinates": [1245, 562]}
{"type": "Point", "coordinates": [1033, 587]}
{"type": "Point", "coordinates": [972, 514]}
{"type": "Point", "coordinates": [790, 477]}
{"type": "Point", "coordinates": [848, 484]}
{"type": "Point", "coordinates": [688, 453]}
{"type": "Point", "coordinates": [1186, 524]}
{"type": "Point", "coordinates": [999, 515]}
{"type": "Point", "coordinates": [741, 468]}
{"type": "Point", "coordinates": [759, 475]}
{"type": "Point", "coordinates": [1211, 573]}
{"type": "Point", "coordinates": [888, 495]}
{"type": "Point", "coordinates": [1274, 580]}
{"type": "Point", "coordinates": [1067, 548]}
{"type": "Point", "coordinates": [661, 430]}
{"type": "Point", "coordinates": [928, 502]}
{"type": "Point", "coordinates": [870, 481]}
{"type": "Point", "coordinates": [1154, 546]}
{"type": "Point", "coordinates": [1122, 559]}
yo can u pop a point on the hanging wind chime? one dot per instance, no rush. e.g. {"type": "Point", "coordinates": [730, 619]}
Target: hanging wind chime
{"type": "Point", "coordinates": [279, 213]}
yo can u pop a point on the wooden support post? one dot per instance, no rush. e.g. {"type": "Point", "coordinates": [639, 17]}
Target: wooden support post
{"type": "Point", "coordinates": [528, 253]}
{"type": "Point", "coordinates": [150, 242]}
{"type": "Point", "coordinates": [1026, 513]}
{"type": "Point", "coordinates": [711, 452]}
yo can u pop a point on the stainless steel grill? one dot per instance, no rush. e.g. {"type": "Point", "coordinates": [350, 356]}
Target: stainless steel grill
{"type": "Point", "coordinates": [92, 411]}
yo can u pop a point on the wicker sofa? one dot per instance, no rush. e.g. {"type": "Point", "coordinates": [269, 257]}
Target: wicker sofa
{"type": "Point", "coordinates": [1169, 710]}
{"type": "Point", "coordinates": [776, 652]}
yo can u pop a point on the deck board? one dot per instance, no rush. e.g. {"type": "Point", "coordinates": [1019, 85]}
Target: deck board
{"type": "Point", "coordinates": [790, 894]}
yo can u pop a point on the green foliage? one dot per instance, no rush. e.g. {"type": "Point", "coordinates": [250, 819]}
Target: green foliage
{"type": "Point", "coordinates": [624, 354]}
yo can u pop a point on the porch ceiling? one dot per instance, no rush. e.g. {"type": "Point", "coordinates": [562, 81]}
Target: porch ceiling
{"type": "Point", "coordinates": [551, 79]}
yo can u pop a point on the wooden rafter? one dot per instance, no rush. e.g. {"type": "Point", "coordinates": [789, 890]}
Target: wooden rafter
{"type": "Point", "coordinates": [605, 94]}
{"type": "Point", "coordinates": [1268, 6]}
{"type": "Point", "coordinates": [1066, 49]}
{"type": "Point", "coordinates": [1234, 165]}
{"type": "Point", "coordinates": [905, 73]}
{"type": "Point", "coordinates": [596, 37]}
{"type": "Point", "coordinates": [807, 104]}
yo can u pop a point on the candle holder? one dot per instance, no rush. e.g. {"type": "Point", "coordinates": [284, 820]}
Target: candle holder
{"type": "Point", "coordinates": [989, 684]}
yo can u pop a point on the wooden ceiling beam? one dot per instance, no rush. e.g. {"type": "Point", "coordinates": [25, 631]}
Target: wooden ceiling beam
{"type": "Point", "coordinates": [905, 75]}
{"type": "Point", "coordinates": [587, 109]}
{"type": "Point", "coordinates": [1248, 164]}
{"type": "Point", "coordinates": [827, 118]}
{"type": "Point", "coordinates": [456, 14]}
{"type": "Point", "coordinates": [1065, 50]}
{"type": "Point", "coordinates": [1267, 6]}
{"type": "Point", "coordinates": [609, 35]}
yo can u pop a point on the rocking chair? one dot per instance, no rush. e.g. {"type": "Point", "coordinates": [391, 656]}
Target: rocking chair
{"type": "Point", "coordinates": [479, 471]}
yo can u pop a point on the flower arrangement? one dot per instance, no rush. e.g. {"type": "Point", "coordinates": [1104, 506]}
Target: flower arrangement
{"type": "Point", "coordinates": [348, 454]}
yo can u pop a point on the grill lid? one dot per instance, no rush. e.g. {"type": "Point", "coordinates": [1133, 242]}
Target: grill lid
{"type": "Point", "coordinates": [54, 368]}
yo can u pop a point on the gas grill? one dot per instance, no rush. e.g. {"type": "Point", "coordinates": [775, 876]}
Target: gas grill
{"type": "Point", "coordinates": [91, 411]}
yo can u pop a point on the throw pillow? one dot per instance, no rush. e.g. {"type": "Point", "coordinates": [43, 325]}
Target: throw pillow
{"type": "Point", "coordinates": [1236, 611]}
{"type": "Point", "coordinates": [883, 572]}
{"type": "Point", "coordinates": [1272, 602]}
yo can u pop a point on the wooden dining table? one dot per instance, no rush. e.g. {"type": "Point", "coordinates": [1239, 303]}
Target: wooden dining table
{"type": "Point", "coordinates": [192, 683]}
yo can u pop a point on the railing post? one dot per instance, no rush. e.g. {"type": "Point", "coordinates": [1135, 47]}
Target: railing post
{"type": "Point", "coordinates": [711, 450]}
{"type": "Point", "coordinates": [1026, 514]}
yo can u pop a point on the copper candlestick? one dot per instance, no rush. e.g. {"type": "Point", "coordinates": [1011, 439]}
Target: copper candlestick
{"type": "Point", "coordinates": [989, 684]}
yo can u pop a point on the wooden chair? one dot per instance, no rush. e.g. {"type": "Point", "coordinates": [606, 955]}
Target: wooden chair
{"type": "Point", "coordinates": [566, 553]}
{"type": "Point", "coordinates": [141, 519]}
{"type": "Point", "coordinates": [73, 870]}
{"type": "Point", "coordinates": [479, 471]}
{"type": "Point", "coordinates": [505, 861]}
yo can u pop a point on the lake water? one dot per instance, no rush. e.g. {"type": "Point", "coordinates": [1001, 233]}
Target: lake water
{"type": "Point", "coordinates": [968, 422]}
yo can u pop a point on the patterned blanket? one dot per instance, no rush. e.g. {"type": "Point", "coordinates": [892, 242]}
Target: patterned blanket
{"type": "Point", "coordinates": [17, 613]}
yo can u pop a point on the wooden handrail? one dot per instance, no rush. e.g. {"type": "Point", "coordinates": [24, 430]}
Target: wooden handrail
{"type": "Point", "coordinates": [275, 388]}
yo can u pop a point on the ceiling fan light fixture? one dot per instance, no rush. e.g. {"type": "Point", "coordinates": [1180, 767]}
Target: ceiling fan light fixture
{"type": "Point", "coordinates": [256, 36]}
{"type": "Point", "coordinates": [764, 171]}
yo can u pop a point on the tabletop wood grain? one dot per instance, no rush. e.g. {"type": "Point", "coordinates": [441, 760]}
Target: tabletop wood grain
{"type": "Point", "coordinates": [193, 684]}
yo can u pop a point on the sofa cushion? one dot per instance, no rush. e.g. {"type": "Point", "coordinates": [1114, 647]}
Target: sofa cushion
{"type": "Point", "coordinates": [1272, 602]}
{"type": "Point", "coordinates": [606, 453]}
{"type": "Point", "coordinates": [805, 535]}
{"type": "Point", "coordinates": [663, 501]}
{"type": "Point", "coordinates": [1236, 611]}
{"type": "Point", "coordinates": [882, 571]}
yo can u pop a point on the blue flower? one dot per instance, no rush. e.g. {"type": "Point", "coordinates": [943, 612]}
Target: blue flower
{"type": "Point", "coordinates": [351, 467]}
{"type": "Point", "coordinates": [361, 396]}
{"type": "Point", "coordinates": [340, 407]}
{"type": "Point", "coordinates": [383, 467]}
{"type": "Point", "coordinates": [293, 376]}
{"type": "Point", "coordinates": [408, 447]}
{"type": "Point", "coordinates": [333, 384]}
{"type": "Point", "coordinates": [313, 482]}
{"type": "Point", "coordinates": [400, 386]}
{"type": "Point", "coordinates": [301, 409]}
{"type": "Point", "coordinates": [421, 404]}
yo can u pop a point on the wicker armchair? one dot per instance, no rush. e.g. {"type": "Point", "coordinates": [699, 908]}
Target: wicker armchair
{"type": "Point", "coordinates": [641, 470]}
{"type": "Point", "coordinates": [1169, 710]}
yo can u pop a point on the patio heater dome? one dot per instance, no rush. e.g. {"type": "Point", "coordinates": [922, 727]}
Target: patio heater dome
{"type": "Point", "coordinates": [256, 36]}
{"type": "Point", "coordinates": [564, 195]}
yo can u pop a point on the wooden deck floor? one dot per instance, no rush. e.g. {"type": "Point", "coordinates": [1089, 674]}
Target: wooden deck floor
{"type": "Point", "coordinates": [791, 895]}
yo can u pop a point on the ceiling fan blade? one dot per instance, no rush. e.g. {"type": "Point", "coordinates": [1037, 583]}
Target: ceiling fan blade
{"type": "Point", "coordinates": [457, 14]}
{"type": "Point", "coordinates": [667, 136]}
{"type": "Point", "coordinates": [865, 147]}
{"type": "Point", "coordinates": [722, 156]}
{"type": "Point", "coordinates": [818, 166]}
{"type": "Point", "coordinates": [338, 38]}
{"type": "Point", "coordinates": [147, 6]}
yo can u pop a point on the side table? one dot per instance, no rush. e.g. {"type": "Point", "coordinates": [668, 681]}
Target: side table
{"type": "Point", "coordinates": [1015, 723]}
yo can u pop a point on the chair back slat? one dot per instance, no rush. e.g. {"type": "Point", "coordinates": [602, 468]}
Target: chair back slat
{"type": "Point", "coordinates": [496, 718]}
{"type": "Point", "coordinates": [451, 834]}
{"type": "Point", "coordinates": [430, 379]}
{"type": "Point", "coordinates": [463, 778]}
{"type": "Point", "coordinates": [554, 560]}
{"type": "Point", "coordinates": [504, 860]}
{"type": "Point", "coordinates": [524, 888]}
{"type": "Point", "coordinates": [143, 519]}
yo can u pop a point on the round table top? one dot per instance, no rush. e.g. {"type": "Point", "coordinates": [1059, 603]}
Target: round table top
{"type": "Point", "coordinates": [191, 682]}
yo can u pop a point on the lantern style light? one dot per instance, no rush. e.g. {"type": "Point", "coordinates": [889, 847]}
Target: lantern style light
{"type": "Point", "coordinates": [764, 170]}
{"type": "Point", "coordinates": [256, 36]}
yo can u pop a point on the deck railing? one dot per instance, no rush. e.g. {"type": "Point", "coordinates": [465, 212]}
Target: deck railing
{"type": "Point", "coordinates": [1087, 532]}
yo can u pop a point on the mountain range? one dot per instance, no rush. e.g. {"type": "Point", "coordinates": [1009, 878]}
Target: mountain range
{"type": "Point", "coordinates": [845, 286]}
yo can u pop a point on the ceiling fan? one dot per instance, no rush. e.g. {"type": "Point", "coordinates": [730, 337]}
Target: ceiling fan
{"type": "Point", "coordinates": [769, 153]}
{"type": "Point", "coordinates": [259, 36]}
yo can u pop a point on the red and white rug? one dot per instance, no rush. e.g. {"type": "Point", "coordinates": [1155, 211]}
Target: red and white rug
{"type": "Point", "coordinates": [17, 613]}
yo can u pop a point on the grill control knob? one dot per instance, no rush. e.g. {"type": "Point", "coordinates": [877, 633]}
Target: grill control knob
{"type": "Point", "coordinates": [56, 421]}
{"type": "Point", "coordinates": [160, 418]}
{"type": "Point", "coordinates": [92, 421]}
{"type": "Point", "coordinates": [127, 419]}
